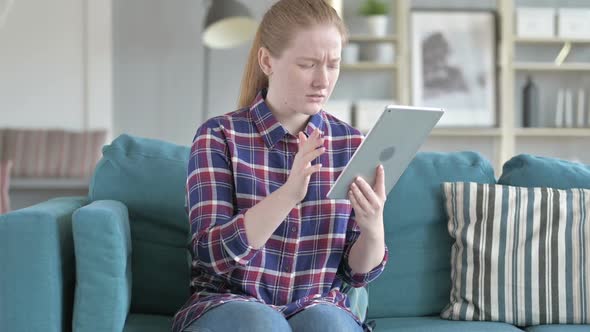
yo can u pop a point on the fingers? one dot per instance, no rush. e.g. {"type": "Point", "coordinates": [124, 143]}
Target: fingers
{"type": "Point", "coordinates": [308, 151]}
{"type": "Point", "coordinates": [368, 193]}
{"type": "Point", "coordinates": [312, 169]}
{"type": "Point", "coordinates": [356, 195]}
{"type": "Point", "coordinates": [307, 144]}
{"type": "Point", "coordinates": [302, 141]}
{"type": "Point", "coordinates": [307, 158]}
{"type": "Point", "coordinates": [366, 199]}
{"type": "Point", "coordinates": [379, 186]}
{"type": "Point", "coordinates": [308, 147]}
{"type": "Point", "coordinates": [353, 201]}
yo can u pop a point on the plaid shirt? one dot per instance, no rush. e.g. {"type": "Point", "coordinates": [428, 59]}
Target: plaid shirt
{"type": "Point", "coordinates": [237, 160]}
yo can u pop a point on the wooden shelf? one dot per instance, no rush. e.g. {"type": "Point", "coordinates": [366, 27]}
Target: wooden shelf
{"type": "Point", "coordinates": [49, 183]}
{"type": "Point", "coordinates": [552, 132]}
{"type": "Point", "coordinates": [504, 138]}
{"type": "Point", "coordinates": [369, 66]}
{"type": "Point", "coordinates": [372, 39]}
{"type": "Point", "coordinates": [465, 132]}
{"type": "Point", "coordinates": [540, 66]}
{"type": "Point", "coordinates": [553, 40]}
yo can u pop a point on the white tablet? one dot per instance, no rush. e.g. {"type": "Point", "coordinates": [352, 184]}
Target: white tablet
{"type": "Point", "coordinates": [393, 142]}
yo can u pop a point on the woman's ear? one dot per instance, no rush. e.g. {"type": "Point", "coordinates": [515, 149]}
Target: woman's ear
{"type": "Point", "coordinates": [265, 61]}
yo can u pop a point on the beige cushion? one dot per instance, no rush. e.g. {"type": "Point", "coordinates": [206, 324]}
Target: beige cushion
{"type": "Point", "coordinates": [5, 167]}
{"type": "Point", "coordinates": [51, 153]}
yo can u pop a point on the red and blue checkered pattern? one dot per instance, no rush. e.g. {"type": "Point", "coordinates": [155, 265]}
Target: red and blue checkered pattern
{"type": "Point", "coordinates": [238, 159]}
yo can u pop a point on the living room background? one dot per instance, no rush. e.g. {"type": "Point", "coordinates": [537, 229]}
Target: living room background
{"type": "Point", "coordinates": [136, 67]}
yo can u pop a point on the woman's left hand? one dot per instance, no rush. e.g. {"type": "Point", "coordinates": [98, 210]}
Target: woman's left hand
{"type": "Point", "coordinates": [368, 203]}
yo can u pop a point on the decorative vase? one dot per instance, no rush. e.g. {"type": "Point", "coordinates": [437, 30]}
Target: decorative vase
{"type": "Point", "coordinates": [350, 53]}
{"type": "Point", "coordinates": [383, 53]}
{"type": "Point", "coordinates": [530, 104]}
{"type": "Point", "coordinates": [377, 25]}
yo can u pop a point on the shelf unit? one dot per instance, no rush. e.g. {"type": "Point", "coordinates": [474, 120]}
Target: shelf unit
{"type": "Point", "coordinates": [552, 40]}
{"type": "Point", "coordinates": [505, 136]}
{"type": "Point", "coordinates": [372, 39]}
{"type": "Point", "coordinates": [552, 132]}
{"type": "Point", "coordinates": [399, 68]}
{"type": "Point", "coordinates": [540, 66]}
{"type": "Point", "coordinates": [466, 132]}
{"type": "Point", "coordinates": [511, 132]}
{"type": "Point", "coordinates": [369, 66]}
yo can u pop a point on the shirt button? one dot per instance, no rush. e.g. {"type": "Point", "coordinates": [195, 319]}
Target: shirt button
{"type": "Point", "coordinates": [293, 229]}
{"type": "Point", "coordinates": [286, 269]}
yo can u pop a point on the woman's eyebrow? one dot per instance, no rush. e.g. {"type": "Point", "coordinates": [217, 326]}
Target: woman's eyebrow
{"type": "Point", "coordinates": [304, 58]}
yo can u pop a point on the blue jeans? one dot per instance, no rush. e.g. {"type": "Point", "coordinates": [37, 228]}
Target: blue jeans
{"type": "Point", "coordinates": [241, 316]}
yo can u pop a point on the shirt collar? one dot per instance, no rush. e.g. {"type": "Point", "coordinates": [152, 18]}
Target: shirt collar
{"type": "Point", "coordinates": [270, 128]}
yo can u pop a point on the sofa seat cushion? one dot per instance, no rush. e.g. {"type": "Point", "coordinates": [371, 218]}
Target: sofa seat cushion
{"type": "Point", "coordinates": [417, 279]}
{"type": "Point", "coordinates": [436, 324]}
{"type": "Point", "coordinates": [558, 328]}
{"type": "Point", "coordinates": [147, 323]}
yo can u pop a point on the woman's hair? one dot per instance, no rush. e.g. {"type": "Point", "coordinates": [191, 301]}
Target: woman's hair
{"type": "Point", "coordinates": [276, 31]}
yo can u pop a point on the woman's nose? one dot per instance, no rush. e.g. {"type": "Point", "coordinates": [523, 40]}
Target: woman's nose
{"type": "Point", "coordinates": [321, 79]}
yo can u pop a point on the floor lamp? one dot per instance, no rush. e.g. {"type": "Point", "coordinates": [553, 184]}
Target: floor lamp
{"type": "Point", "coordinates": [228, 24]}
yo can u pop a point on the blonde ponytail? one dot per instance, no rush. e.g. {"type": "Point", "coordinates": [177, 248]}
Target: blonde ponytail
{"type": "Point", "coordinates": [254, 78]}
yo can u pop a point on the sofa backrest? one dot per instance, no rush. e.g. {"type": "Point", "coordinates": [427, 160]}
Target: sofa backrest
{"type": "Point", "coordinates": [417, 278]}
{"type": "Point", "coordinates": [148, 176]}
{"type": "Point", "coordinates": [526, 170]}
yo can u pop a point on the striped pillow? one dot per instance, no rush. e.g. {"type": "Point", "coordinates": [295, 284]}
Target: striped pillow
{"type": "Point", "coordinates": [521, 255]}
{"type": "Point", "coordinates": [5, 167]}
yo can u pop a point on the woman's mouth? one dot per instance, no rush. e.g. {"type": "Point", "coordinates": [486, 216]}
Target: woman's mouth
{"type": "Point", "coordinates": [316, 98]}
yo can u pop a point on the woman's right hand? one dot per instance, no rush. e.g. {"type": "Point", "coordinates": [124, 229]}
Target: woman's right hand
{"type": "Point", "coordinates": [301, 171]}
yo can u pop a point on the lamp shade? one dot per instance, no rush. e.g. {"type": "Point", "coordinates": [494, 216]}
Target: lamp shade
{"type": "Point", "coordinates": [228, 24]}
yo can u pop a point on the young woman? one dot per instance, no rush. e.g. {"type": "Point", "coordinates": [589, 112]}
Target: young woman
{"type": "Point", "coordinates": [270, 251]}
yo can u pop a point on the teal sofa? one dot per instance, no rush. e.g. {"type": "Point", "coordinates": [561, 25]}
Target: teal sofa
{"type": "Point", "coordinates": [117, 260]}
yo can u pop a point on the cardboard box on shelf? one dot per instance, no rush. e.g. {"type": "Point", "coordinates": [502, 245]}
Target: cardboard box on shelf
{"type": "Point", "coordinates": [535, 22]}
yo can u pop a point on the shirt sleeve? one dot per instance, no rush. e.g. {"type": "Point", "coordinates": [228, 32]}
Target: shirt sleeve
{"type": "Point", "coordinates": [344, 270]}
{"type": "Point", "coordinates": [218, 236]}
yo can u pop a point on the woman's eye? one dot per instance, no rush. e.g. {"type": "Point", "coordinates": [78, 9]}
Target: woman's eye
{"type": "Point", "coordinates": [306, 65]}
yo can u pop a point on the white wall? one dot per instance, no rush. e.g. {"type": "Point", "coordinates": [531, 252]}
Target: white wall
{"type": "Point", "coordinates": [158, 68]}
{"type": "Point", "coordinates": [157, 75]}
{"type": "Point", "coordinates": [55, 65]}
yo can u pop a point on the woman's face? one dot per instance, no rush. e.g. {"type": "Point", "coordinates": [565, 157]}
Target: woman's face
{"type": "Point", "coordinates": [303, 76]}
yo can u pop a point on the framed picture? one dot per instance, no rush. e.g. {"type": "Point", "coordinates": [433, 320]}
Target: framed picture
{"type": "Point", "coordinates": [454, 65]}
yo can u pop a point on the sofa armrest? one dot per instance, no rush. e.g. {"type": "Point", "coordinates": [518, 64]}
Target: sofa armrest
{"type": "Point", "coordinates": [102, 242]}
{"type": "Point", "coordinates": [37, 266]}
